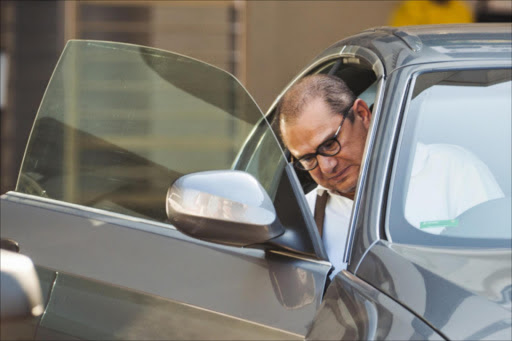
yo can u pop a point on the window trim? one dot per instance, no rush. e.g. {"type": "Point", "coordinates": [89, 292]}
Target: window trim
{"type": "Point", "coordinates": [365, 164]}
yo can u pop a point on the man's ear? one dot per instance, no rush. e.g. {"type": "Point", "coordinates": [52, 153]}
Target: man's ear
{"type": "Point", "coordinates": [363, 112]}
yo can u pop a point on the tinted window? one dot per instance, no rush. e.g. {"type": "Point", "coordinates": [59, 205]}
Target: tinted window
{"type": "Point", "coordinates": [119, 123]}
{"type": "Point", "coordinates": [452, 182]}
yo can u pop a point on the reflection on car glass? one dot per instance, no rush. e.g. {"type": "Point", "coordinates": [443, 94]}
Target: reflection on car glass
{"type": "Point", "coordinates": [446, 180]}
{"type": "Point", "coordinates": [460, 156]}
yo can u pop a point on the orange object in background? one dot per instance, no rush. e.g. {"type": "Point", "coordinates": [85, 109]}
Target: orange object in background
{"type": "Point", "coordinates": [413, 12]}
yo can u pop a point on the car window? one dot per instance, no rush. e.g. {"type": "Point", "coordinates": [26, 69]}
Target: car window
{"type": "Point", "coordinates": [119, 123]}
{"type": "Point", "coordinates": [452, 180]}
{"type": "Point", "coordinates": [261, 157]}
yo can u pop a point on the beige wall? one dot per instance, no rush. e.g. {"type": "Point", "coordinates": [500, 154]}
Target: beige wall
{"type": "Point", "coordinates": [274, 41]}
{"type": "Point", "coordinates": [283, 36]}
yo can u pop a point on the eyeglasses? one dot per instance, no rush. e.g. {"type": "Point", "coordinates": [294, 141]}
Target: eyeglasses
{"type": "Point", "coordinates": [329, 147]}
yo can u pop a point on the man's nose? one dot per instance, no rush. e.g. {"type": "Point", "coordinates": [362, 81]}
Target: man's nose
{"type": "Point", "coordinates": [326, 163]}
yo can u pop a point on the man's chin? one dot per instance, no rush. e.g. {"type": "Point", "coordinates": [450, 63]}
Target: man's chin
{"type": "Point", "coordinates": [341, 189]}
{"type": "Point", "coordinates": [346, 192]}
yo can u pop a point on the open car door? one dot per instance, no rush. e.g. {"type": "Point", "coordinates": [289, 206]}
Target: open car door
{"type": "Point", "coordinates": [117, 126]}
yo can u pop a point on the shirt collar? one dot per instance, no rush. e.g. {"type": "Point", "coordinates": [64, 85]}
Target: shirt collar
{"type": "Point", "coordinates": [320, 190]}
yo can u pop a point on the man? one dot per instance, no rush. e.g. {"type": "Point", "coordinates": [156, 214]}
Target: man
{"type": "Point", "coordinates": [324, 126]}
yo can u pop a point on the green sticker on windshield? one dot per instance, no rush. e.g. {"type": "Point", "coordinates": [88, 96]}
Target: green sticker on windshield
{"type": "Point", "coordinates": [439, 223]}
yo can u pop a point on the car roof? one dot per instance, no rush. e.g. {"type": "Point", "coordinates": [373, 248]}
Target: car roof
{"type": "Point", "coordinates": [407, 45]}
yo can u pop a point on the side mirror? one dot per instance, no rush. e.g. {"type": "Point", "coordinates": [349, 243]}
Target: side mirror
{"type": "Point", "coordinates": [227, 207]}
{"type": "Point", "coordinates": [20, 289]}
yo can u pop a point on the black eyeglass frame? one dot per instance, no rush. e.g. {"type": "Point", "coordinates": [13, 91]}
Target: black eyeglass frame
{"type": "Point", "coordinates": [298, 164]}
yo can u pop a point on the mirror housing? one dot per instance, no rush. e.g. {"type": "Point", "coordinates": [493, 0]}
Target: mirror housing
{"type": "Point", "coordinates": [226, 207]}
{"type": "Point", "coordinates": [20, 289]}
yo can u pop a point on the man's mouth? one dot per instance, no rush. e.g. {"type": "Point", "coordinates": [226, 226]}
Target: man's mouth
{"type": "Point", "coordinates": [339, 176]}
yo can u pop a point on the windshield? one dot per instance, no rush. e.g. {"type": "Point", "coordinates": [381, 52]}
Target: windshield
{"type": "Point", "coordinates": [119, 123]}
{"type": "Point", "coordinates": [452, 184]}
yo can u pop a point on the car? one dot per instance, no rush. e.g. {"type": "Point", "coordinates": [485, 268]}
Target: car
{"type": "Point", "coordinates": [157, 201]}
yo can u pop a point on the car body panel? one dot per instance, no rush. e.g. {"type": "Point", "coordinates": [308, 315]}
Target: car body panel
{"type": "Point", "coordinates": [166, 263]}
{"type": "Point", "coordinates": [448, 287]}
{"type": "Point", "coordinates": [354, 310]}
{"type": "Point", "coordinates": [94, 310]}
{"type": "Point", "coordinates": [411, 45]}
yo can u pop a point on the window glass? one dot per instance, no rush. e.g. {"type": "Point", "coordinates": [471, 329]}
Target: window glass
{"type": "Point", "coordinates": [119, 123]}
{"type": "Point", "coordinates": [452, 183]}
{"type": "Point", "coordinates": [261, 158]}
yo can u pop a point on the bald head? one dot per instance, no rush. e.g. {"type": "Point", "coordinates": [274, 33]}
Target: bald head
{"type": "Point", "coordinates": [310, 115]}
{"type": "Point", "coordinates": [330, 89]}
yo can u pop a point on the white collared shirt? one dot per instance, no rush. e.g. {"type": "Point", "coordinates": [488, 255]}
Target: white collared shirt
{"type": "Point", "coordinates": [446, 180]}
{"type": "Point", "coordinates": [336, 221]}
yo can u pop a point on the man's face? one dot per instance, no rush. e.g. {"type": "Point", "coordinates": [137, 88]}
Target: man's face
{"type": "Point", "coordinates": [316, 124]}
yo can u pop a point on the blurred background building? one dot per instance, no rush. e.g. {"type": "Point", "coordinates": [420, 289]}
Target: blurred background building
{"type": "Point", "coordinates": [263, 43]}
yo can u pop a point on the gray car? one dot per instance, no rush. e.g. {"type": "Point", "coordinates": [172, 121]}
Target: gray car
{"type": "Point", "coordinates": [158, 202]}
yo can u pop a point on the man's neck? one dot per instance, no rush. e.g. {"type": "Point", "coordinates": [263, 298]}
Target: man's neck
{"type": "Point", "coordinates": [347, 195]}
